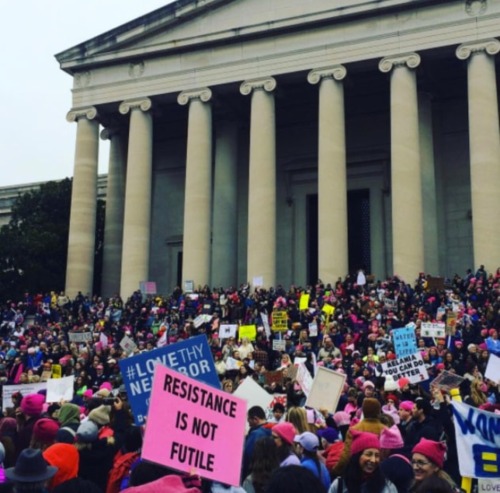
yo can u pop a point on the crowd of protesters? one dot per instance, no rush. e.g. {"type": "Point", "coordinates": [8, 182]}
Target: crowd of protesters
{"type": "Point", "coordinates": [385, 436]}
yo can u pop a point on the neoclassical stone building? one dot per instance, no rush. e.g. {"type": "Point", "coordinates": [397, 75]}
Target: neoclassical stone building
{"type": "Point", "coordinates": [278, 141]}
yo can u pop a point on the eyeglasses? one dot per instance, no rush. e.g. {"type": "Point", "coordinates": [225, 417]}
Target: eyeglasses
{"type": "Point", "coordinates": [419, 463]}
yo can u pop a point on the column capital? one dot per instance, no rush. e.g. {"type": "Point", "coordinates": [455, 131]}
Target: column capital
{"type": "Point", "coordinates": [411, 60]}
{"type": "Point", "coordinates": [90, 112]}
{"type": "Point", "coordinates": [109, 132]}
{"type": "Point", "coordinates": [144, 104]}
{"type": "Point", "coordinates": [336, 72]}
{"type": "Point", "coordinates": [267, 84]}
{"type": "Point", "coordinates": [466, 50]}
{"type": "Point", "coordinates": [204, 95]}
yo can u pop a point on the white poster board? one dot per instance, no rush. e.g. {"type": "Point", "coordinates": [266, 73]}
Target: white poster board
{"type": "Point", "coordinates": [304, 379]}
{"type": "Point", "coordinates": [430, 329]}
{"type": "Point", "coordinates": [60, 389]}
{"type": "Point", "coordinates": [493, 369]}
{"type": "Point", "coordinates": [254, 394]}
{"type": "Point", "coordinates": [24, 388]}
{"type": "Point", "coordinates": [411, 367]}
{"type": "Point", "coordinates": [326, 389]}
{"type": "Point", "coordinates": [227, 330]}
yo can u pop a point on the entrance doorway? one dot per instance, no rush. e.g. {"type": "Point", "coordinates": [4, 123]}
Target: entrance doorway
{"type": "Point", "coordinates": [358, 233]}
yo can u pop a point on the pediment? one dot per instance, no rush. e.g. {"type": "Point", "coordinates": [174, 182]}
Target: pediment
{"type": "Point", "coordinates": [188, 24]}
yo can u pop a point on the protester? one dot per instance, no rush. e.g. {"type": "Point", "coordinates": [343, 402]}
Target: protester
{"type": "Point", "coordinates": [283, 435]}
{"type": "Point", "coordinates": [307, 446]}
{"type": "Point", "coordinates": [256, 418]}
{"type": "Point", "coordinates": [263, 463]}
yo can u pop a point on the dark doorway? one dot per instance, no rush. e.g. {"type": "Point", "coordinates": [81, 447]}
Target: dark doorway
{"type": "Point", "coordinates": [358, 226]}
{"type": "Point", "coordinates": [179, 269]}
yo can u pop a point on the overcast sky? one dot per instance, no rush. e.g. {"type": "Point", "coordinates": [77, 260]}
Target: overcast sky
{"type": "Point", "coordinates": [36, 141]}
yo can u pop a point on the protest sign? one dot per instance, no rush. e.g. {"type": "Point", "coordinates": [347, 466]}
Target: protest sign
{"type": "Point", "coordinates": [411, 367]}
{"type": "Point", "coordinates": [280, 321]}
{"type": "Point", "coordinates": [435, 283]}
{"type": "Point", "coordinates": [290, 372]}
{"type": "Point", "coordinates": [60, 389]}
{"type": "Point", "coordinates": [258, 281]}
{"type": "Point", "coordinates": [191, 357]}
{"type": "Point", "coordinates": [478, 441]}
{"type": "Point", "coordinates": [279, 344]}
{"type": "Point", "coordinates": [313, 329]}
{"type": "Point", "coordinates": [328, 309]}
{"type": "Point", "coordinates": [326, 389]}
{"type": "Point", "coordinates": [128, 345]}
{"type": "Point", "coordinates": [304, 302]}
{"type": "Point", "coordinates": [451, 323]}
{"type": "Point", "coordinates": [389, 304]}
{"type": "Point", "coordinates": [253, 393]}
{"type": "Point", "coordinates": [194, 428]}
{"type": "Point", "coordinates": [275, 377]}
{"type": "Point", "coordinates": [103, 339]}
{"type": "Point", "coordinates": [56, 371]}
{"type": "Point", "coordinates": [430, 329]}
{"type": "Point", "coordinates": [493, 369]}
{"type": "Point", "coordinates": [24, 388]}
{"type": "Point", "coordinates": [202, 319]}
{"type": "Point", "coordinates": [488, 485]}
{"type": "Point", "coordinates": [227, 330]}
{"type": "Point", "coordinates": [304, 378]}
{"type": "Point", "coordinates": [405, 343]}
{"type": "Point", "coordinates": [80, 336]}
{"type": "Point", "coordinates": [265, 323]}
{"type": "Point", "coordinates": [447, 380]}
{"type": "Point", "coordinates": [233, 364]}
{"type": "Point", "coordinates": [248, 331]}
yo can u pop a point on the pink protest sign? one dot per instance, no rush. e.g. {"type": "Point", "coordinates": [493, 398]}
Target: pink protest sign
{"type": "Point", "coordinates": [194, 427]}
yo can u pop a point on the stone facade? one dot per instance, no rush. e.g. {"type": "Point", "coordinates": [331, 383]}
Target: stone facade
{"type": "Point", "coordinates": [280, 142]}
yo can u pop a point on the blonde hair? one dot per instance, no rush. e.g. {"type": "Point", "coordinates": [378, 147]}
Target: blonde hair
{"type": "Point", "coordinates": [298, 417]}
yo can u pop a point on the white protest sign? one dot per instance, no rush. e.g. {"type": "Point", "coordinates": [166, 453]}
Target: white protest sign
{"type": "Point", "coordinates": [60, 389]}
{"type": "Point", "coordinates": [279, 344]}
{"type": "Point", "coordinates": [493, 369]}
{"type": "Point", "coordinates": [103, 339]}
{"type": "Point", "coordinates": [430, 329]}
{"type": "Point", "coordinates": [488, 485]}
{"type": "Point", "coordinates": [227, 330]}
{"type": "Point", "coordinates": [304, 379]}
{"type": "Point", "coordinates": [299, 360]}
{"type": "Point", "coordinates": [258, 281]}
{"type": "Point", "coordinates": [202, 319]}
{"type": "Point", "coordinates": [80, 336]}
{"type": "Point", "coordinates": [477, 441]}
{"type": "Point", "coordinates": [233, 364]}
{"type": "Point", "coordinates": [265, 323]}
{"type": "Point", "coordinates": [24, 388]}
{"type": "Point", "coordinates": [128, 345]}
{"type": "Point", "coordinates": [326, 389]}
{"type": "Point", "coordinates": [411, 367]}
{"type": "Point", "coordinates": [313, 329]}
{"type": "Point", "coordinates": [254, 394]}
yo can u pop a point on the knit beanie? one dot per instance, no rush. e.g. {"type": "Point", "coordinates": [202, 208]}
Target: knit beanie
{"type": "Point", "coordinates": [69, 413]}
{"type": "Point", "coordinates": [32, 404]}
{"type": "Point", "coordinates": [407, 406]}
{"type": "Point", "coordinates": [403, 382]}
{"type": "Point", "coordinates": [167, 484]}
{"type": "Point", "coordinates": [391, 438]}
{"type": "Point", "coordinates": [371, 408]}
{"type": "Point", "coordinates": [341, 418]}
{"type": "Point", "coordinates": [45, 430]}
{"type": "Point", "coordinates": [361, 440]}
{"type": "Point", "coordinates": [65, 435]}
{"type": "Point", "coordinates": [67, 460]}
{"type": "Point", "coordinates": [100, 415]}
{"type": "Point", "coordinates": [434, 451]}
{"type": "Point", "coordinates": [398, 470]}
{"type": "Point", "coordinates": [286, 431]}
{"type": "Point", "coordinates": [390, 385]}
{"type": "Point", "coordinates": [87, 432]}
{"type": "Point", "coordinates": [331, 435]}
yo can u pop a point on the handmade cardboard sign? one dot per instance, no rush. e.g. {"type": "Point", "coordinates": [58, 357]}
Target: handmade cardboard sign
{"type": "Point", "coordinates": [194, 428]}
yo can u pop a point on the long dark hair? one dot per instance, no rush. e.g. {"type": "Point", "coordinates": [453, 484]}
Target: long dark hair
{"type": "Point", "coordinates": [264, 462]}
{"type": "Point", "coordinates": [355, 478]}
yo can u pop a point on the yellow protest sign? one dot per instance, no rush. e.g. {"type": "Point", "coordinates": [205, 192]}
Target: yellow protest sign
{"type": "Point", "coordinates": [280, 321]}
{"type": "Point", "coordinates": [249, 331]}
{"type": "Point", "coordinates": [304, 302]}
{"type": "Point", "coordinates": [451, 323]}
{"type": "Point", "coordinates": [328, 309]}
{"type": "Point", "coordinates": [56, 371]}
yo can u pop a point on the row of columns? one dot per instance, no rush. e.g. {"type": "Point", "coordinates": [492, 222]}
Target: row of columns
{"type": "Point", "coordinates": [127, 238]}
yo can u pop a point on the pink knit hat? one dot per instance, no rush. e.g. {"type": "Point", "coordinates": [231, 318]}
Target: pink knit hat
{"type": "Point", "coordinates": [407, 406]}
{"type": "Point", "coordinates": [286, 431]}
{"type": "Point", "coordinates": [32, 404]}
{"type": "Point", "coordinates": [434, 451]}
{"type": "Point", "coordinates": [361, 440]}
{"type": "Point", "coordinates": [341, 418]}
{"type": "Point", "coordinates": [167, 484]}
{"type": "Point", "coordinates": [391, 438]}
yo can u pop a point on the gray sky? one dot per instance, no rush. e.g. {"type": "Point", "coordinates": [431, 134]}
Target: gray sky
{"type": "Point", "coordinates": [36, 141]}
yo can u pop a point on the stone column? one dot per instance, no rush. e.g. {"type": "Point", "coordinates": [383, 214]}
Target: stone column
{"type": "Point", "coordinates": [261, 256]}
{"type": "Point", "coordinates": [406, 174]}
{"type": "Point", "coordinates": [81, 240]}
{"type": "Point", "coordinates": [333, 261]}
{"type": "Point", "coordinates": [137, 215]}
{"type": "Point", "coordinates": [484, 143]}
{"type": "Point", "coordinates": [225, 210]}
{"type": "Point", "coordinates": [429, 202]}
{"type": "Point", "coordinates": [115, 201]}
{"type": "Point", "coordinates": [198, 195]}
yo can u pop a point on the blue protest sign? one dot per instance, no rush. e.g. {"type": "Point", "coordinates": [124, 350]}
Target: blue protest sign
{"type": "Point", "coordinates": [191, 357]}
{"type": "Point", "coordinates": [405, 343]}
